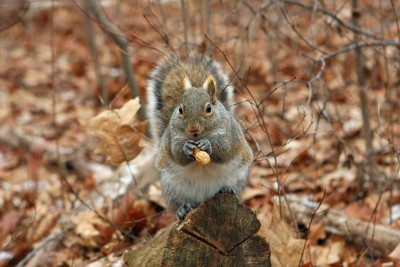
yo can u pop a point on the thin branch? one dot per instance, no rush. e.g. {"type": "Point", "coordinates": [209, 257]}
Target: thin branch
{"type": "Point", "coordinates": [161, 27]}
{"type": "Point", "coordinates": [309, 225]}
{"type": "Point", "coordinates": [121, 41]}
{"type": "Point", "coordinates": [208, 17]}
{"type": "Point", "coordinates": [344, 50]}
{"type": "Point", "coordinates": [101, 216]}
{"type": "Point", "coordinates": [185, 25]}
{"type": "Point", "coordinates": [293, 26]}
{"type": "Point", "coordinates": [362, 90]}
{"type": "Point", "coordinates": [95, 57]}
{"type": "Point", "coordinates": [354, 28]}
{"type": "Point", "coordinates": [42, 245]}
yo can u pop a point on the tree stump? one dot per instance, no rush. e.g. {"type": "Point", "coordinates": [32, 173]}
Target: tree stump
{"type": "Point", "coordinates": [220, 232]}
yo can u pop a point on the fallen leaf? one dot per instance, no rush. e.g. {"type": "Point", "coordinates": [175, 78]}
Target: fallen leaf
{"type": "Point", "coordinates": [316, 232]}
{"type": "Point", "coordinates": [118, 133]}
{"type": "Point", "coordinates": [45, 225]}
{"type": "Point", "coordinates": [133, 214]}
{"type": "Point", "coordinates": [328, 255]}
{"type": "Point", "coordinates": [358, 211]}
{"type": "Point", "coordinates": [285, 250]}
{"type": "Point", "coordinates": [251, 192]}
{"type": "Point", "coordinates": [395, 254]}
{"type": "Point", "coordinates": [85, 228]}
{"type": "Point", "coordinates": [35, 77]}
{"type": "Point", "coordinates": [155, 195]}
{"type": "Point", "coordinates": [9, 222]}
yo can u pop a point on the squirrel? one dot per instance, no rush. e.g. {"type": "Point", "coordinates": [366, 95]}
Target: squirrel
{"type": "Point", "coordinates": [189, 105]}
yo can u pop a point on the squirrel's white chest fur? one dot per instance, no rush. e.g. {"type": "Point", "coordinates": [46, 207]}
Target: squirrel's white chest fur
{"type": "Point", "coordinates": [195, 184]}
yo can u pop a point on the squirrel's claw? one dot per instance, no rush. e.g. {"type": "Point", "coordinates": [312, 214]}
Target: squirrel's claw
{"type": "Point", "coordinates": [204, 145]}
{"type": "Point", "coordinates": [188, 148]}
{"type": "Point", "coordinates": [183, 210]}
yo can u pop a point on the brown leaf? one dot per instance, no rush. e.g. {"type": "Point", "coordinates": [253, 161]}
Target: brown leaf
{"type": "Point", "coordinates": [86, 230]}
{"type": "Point", "coordinates": [334, 253]}
{"type": "Point", "coordinates": [133, 214]}
{"type": "Point", "coordinates": [9, 222]}
{"type": "Point", "coordinates": [120, 214]}
{"type": "Point", "coordinates": [118, 133]}
{"type": "Point", "coordinates": [45, 225]}
{"type": "Point", "coordinates": [358, 211]}
{"type": "Point", "coordinates": [316, 232]}
{"type": "Point", "coordinates": [285, 250]}
{"type": "Point", "coordinates": [395, 254]}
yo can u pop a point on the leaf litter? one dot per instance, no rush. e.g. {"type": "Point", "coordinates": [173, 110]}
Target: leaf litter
{"type": "Point", "coordinates": [72, 199]}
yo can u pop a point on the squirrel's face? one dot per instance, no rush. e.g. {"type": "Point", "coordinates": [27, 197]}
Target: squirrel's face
{"type": "Point", "coordinates": [196, 112]}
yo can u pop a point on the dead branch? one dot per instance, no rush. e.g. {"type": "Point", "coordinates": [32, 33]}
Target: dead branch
{"type": "Point", "coordinates": [11, 13]}
{"type": "Point", "coordinates": [353, 28]}
{"type": "Point", "coordinates": [95, 56]}
{"type": "Point", "coordinates": [39, 253]}
{"type": "Point", "coordinates": [184, 14]}
{"type": "Point", "coordinates": [122, 42]}
{"type": "Point", "coordinates": [362, 90]}
{"type": "Point", "coordinates": [379, 239]}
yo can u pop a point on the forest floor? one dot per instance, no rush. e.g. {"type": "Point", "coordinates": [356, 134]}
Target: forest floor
{"type": "Point", "coordinates": [63, 204]}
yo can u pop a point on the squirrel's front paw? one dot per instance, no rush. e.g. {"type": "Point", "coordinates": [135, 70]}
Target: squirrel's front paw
{"type": "Point", "coordinates": [183, 210]}
{"type": "Point", "coordinates": [188, 148]}
{"type": "Point", "coordinates": [204, 145]}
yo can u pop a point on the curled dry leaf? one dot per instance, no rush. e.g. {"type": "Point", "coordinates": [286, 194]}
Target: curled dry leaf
{"type": "Point", "coordinates": [118, 133]}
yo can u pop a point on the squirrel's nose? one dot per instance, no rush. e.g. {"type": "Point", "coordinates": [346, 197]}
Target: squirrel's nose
{"type": "Point", "coordinates": [194, 131]}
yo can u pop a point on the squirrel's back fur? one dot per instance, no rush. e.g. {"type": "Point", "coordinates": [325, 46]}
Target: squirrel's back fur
{"type": "Point", "coordinates": [170, 74]}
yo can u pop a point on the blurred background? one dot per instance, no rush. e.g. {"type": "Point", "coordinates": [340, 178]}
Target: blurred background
{"type": "Point", "coordinates": [317, 92]}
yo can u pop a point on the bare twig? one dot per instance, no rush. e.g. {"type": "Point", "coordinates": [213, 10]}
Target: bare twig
{"type": "Point", "coordinates": [294, 28]}
{"type": "Point", "coordinates": [12, 12]}
{"type": "Point", "coordinates": [185, 25]}
{"type": "Point", "coordinates": [163, 17]}
{"type": "Point", "coordinates": [86, 205]}
{"type": "Point", "coordinates": [121, 41]}
{"type": "Point", "coordinates": [309, 225]}
{"type": "Point", "coordinates": [261, 122]}
{"type": "Point", "coordinates": [359, 64]}
{"type": "Point", "coordinates": [44, 243]}
{"type": "Point", "coordinates": [385, 238]}
{"type": "Point", "coordinates": [160, 28]}
{"type": "Point", "coordinates": [95, 56]}
{"type": "Point", "coordinates": [354, 28]}
{"type": "Point", "coordinates": [388, 136]}
{"type": "Point", "coordinates": [208, 17]}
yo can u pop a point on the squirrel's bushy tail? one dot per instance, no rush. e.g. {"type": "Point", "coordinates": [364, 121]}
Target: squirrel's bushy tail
{"type": "Point", "coordinates": [165, 86]}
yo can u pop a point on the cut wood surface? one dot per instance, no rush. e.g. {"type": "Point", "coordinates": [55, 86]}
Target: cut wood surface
{"type": "Point", "coordinates": [378, 238]}
{"type": "Point", "coordinates": [220, 232]}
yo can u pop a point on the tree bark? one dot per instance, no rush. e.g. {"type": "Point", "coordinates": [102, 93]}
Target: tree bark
{"type": "Point", "coordinates": [220, 232]}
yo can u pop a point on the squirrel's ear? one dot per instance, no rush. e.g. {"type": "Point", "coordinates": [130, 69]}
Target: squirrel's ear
{"type": "Point", "coordinates": [209, 85]}
{"type": "Point", "coordinates": [186, 83]}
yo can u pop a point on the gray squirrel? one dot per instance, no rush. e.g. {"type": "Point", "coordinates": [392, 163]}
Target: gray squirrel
{"type": "Point", "coordinates": [189, 105]}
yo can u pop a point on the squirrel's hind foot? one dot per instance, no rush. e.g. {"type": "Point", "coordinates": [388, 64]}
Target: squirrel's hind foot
{"type": "Point", "coordinates": [183, 210]}
{"type": "Point", "coordinates": [227, 189]}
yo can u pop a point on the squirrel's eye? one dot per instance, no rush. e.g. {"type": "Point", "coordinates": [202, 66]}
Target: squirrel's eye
{"type": "Point", "coordinates": [208, 108]}
{"type": "Point", "coordinates": [180, 110]}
